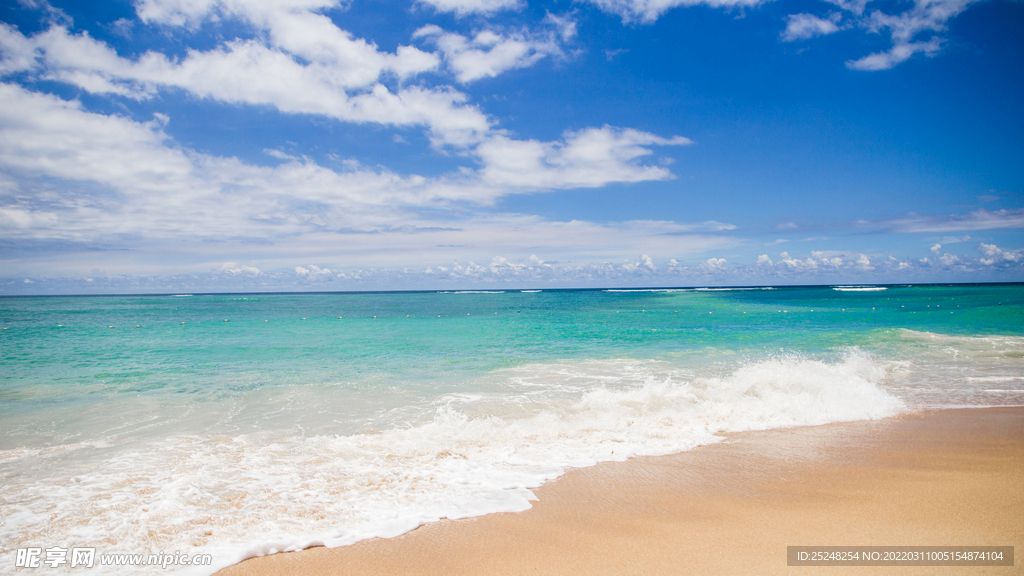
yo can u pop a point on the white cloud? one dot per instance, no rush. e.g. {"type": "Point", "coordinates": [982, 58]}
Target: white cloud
{"type": "Point", "coordinates": [310, 67]}
{"type": "Point", "coordinates": [278, 154]}
{"type": "Point", "coordinates": [464, 7]}
{"type": "Point", "coordinates": [647, 11]}
{"type": "Point", "coordinates": [977, 220]}
{"type": "Point", "coordinates": [803, 26]}
{"type": "Point", "coordinates": [301, 63]}
{"type": "Point", "coordinates": [500, 270]}
{"type": "Point", "coordinates": [236, 268]}
{"type": "Point", "coordinates": [88, 178]}
{"type": "Point", "coordinates": [313, 272]}
{"type": "Point", "coordinates": [925, 16]}
{"type": "Point", "coordinates": [18, 52]}
{"type": "Point", "coordinates": [996, 255]}
{"type": "Point", "coordinates": [854, 6]}
{"type": "Point", "coordinates": [46, 136]}
{"type": "Point", "coordinates": [904, 28]}
{"type": "Point", "coordinates": [819, 262]}
{"type": "Point", "coordinates": [193, 13]}
{"type": "Point", "coordinates": [489, 53]}
{"type": "Point", "coordinates": [895, 55]}
{"type": "Point", "coordinates": [713, 265]}
{"type": "Point", "coordinates": [935, 249]}
{"type": "Point", "coordinates": [118, 177]}
{"type": "Point", "coordinates": [829, 266]}
{"type": "Point", "coordinates": [564, 25]}
{"type": "Point", "coordinates": [586, 158]}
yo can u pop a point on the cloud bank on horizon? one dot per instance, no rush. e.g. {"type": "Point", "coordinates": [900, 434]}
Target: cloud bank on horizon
{"type": "Point", "coordinates": [289, 144]}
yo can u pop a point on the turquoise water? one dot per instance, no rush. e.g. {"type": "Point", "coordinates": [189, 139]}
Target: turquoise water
{"type": "Point", "coordinates": [336, 417]}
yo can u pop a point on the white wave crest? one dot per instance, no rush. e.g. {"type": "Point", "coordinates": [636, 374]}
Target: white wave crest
{"type": "Point", "coordinates": [733, 289]}
{"type": "Point", "coordinates": [215, 494]}
{"type": "Point", "coordinates": [1008, 347]}
{"type": "Point", "coordinates": [649, 290]}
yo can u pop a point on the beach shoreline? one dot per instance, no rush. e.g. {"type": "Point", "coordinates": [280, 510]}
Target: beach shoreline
{"type": "Point", "coordinates": [935, 478]}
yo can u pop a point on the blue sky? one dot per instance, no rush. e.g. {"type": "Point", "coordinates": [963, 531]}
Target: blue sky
{"type": "Point", "coordinates": [171, 145]}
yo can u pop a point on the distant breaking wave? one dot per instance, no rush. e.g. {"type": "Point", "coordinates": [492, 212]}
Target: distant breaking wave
{"type": "Point", "coordinates": [732, 289]}
{"type": "Point", "coordinates": [687, 289]}
{"type": "Point", "coordinates": [859, 288]}
{"type": "Point", "coordinates": [648, 290]}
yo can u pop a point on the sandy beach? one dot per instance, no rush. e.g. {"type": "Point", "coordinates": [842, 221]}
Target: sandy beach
{"type": "Point", "coordinates": [941, 478]}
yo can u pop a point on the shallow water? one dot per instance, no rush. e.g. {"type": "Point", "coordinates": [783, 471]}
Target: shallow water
{"type": "Point", "coordinates": [195, 423]}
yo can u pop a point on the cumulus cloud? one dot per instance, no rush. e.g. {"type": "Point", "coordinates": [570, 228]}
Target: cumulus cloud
{"type": "Point", "coordinates": [337, 76]}
{"type": "Point", "coordinates": [313, 272]}
{"type": "Point", "coordinates": [857, 267]}
{"type": "Point", "coordinates": [803, 26]}
{"type": "Point", "coordinates": [300, 63]}
{"type": "Point", "coordinates": [489, 53]}
{"type": "Point", "coordinates": [82, 177]}
{"type": "Point", "coordinates": [127, 177]}
{"type": "Point", "coordinates": [585, 158]}
{"type": "Point", "coordinates": [995, 255]}
{"type": "Point", "coordinates": [504, 270]}
{"type": "Point", "coordinates": [236, 268]}
{"type": "Point", "coordinates": [713, 265]}
{"type": "Point", "coordinates": [126, 167]}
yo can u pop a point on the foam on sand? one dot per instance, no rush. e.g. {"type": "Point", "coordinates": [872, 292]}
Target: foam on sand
{"type": "Point", "coordinates": [478, 454]}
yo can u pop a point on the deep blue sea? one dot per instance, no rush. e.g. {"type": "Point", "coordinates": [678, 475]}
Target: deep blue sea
{"type": "Point", "coordinates": [245, 424]}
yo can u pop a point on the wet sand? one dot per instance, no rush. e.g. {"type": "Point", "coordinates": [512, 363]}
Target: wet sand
{"type": "Point", "coordinates": [942, 478]}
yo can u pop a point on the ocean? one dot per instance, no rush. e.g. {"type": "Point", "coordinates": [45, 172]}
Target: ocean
{"type": "Point", "coordinates": [244, 424]}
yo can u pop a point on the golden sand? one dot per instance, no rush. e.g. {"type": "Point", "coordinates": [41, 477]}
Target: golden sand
{"type": "Point", "coordinates": [943, 478]}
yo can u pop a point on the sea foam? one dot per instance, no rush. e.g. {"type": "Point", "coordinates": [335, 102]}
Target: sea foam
{"type": "Point", "coordinates": [248, 494]}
